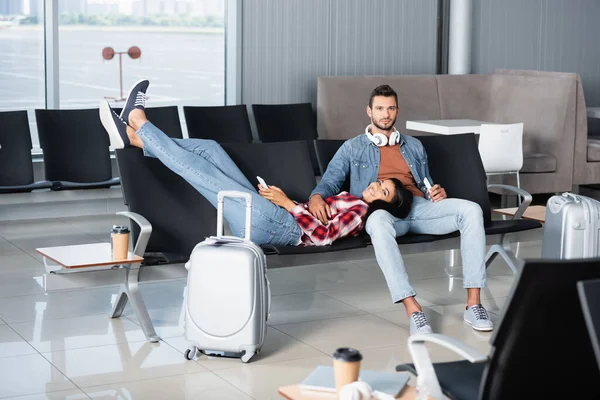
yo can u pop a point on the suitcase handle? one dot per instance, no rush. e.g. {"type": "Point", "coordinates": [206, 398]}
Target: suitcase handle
{"type": "Point", "coordinates": [572, 196]}
{"type": "Point", "coordinates": [232, 193]}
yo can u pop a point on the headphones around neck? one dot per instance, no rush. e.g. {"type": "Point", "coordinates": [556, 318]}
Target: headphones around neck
{"type": "Point", "coordinates": [380, 139]}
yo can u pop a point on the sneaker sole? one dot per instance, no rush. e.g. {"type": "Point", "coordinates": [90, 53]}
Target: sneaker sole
{"type": "Point", "coordinates": [129, 96]}
{"type": "Point", "coordinates": [116, 141]}
{"type": "Point", "coordinates": [478, 329]}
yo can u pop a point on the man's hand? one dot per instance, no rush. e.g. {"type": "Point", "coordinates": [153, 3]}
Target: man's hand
{"type": "Point", "coordinates": [319, 208]}
{"type": "Point", "coordinates": [437, 193]}
{"type": "Point", "coordinates": [276, 196]}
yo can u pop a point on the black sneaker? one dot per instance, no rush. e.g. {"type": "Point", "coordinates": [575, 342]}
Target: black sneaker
{"type": "Point", "coordinates": [114, 125]}
{"type": "Point", "coordinates": [135, 99]}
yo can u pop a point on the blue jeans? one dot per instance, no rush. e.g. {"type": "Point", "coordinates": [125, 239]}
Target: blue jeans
{"type": "Point", "coordinates": [209, 169]}
{"type": "Point", "coordinates": [426, 217]}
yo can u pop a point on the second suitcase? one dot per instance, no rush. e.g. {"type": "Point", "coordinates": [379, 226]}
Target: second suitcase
{"type": "Point", "coordinates": [572, 227]}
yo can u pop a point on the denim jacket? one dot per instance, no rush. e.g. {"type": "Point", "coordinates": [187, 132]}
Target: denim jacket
{"type": "Point", "coordinates": [359, 158]}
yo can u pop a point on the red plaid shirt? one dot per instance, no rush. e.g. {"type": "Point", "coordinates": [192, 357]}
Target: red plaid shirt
{"type": "Point", "coordinates": [347, 212]}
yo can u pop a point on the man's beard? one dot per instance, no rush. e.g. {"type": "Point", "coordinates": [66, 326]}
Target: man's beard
{"type": "Point", "coordinates": [384, 128]}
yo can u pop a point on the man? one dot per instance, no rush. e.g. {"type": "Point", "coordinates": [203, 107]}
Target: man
{"type": "Point", "coordinates": [382, 152]}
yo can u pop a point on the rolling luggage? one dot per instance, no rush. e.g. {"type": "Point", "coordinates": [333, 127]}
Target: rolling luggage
{"type": "Point", "coordinates": [228, 293]}
{"type": "Point", "coordinates": [572, 228]}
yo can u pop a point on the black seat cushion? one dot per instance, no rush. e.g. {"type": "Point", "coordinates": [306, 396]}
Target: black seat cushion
{"type": "Point", "coordinates": [63, 185]}
{"type": "Point", "coordinates": [26, 188]}
{"type": "Point", "coordinates": [355, 242]}
{"type": "Point", "coordinates": [460, 380]}
{"type": "Point", "coordinates": [508, 226]}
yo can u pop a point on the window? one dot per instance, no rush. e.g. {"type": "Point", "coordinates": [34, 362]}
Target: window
{"type": "Point", "coordinates": [22, 80]}
{"type": "Point", "coordinates": [181, 43]}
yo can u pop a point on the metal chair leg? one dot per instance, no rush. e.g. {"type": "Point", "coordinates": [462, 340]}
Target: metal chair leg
{"type": "Point", "coordinates": [130, 290]}
{"type": "Point", "coordinates": [507, 254]}
{"type": "Point", "coordinates": [519, 186]}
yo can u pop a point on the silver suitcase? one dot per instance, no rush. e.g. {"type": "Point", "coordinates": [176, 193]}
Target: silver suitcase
{"type": "Point", "coordinates": [572, 227]}
{"type": "Point", "coordinates": [228, 293]}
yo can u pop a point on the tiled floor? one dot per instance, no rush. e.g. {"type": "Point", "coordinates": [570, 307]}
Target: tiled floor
{"type": "Point", "coordinates": [62, 345]}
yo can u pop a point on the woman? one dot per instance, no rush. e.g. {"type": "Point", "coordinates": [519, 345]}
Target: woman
{"type": "Point", "coordinates": [275, 218]}
{"type": "Point", "coordinates": [348, 213]}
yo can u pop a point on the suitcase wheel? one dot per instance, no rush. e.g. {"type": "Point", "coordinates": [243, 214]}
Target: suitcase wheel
{"type": "Point", "coordinates": [247, 356]}
{"type": "Point", "coordinates": [190, 353]}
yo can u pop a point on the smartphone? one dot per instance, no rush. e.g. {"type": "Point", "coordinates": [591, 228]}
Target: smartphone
{"type": "Point", "coordinates": [262, 182]}
{"type": "Point", "coordinates": [427, 183]}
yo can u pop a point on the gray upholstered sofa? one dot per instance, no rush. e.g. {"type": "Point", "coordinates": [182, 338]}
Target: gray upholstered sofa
{"type": "Point", "coordinates": [549, 106]}
{"type": "Point", "coordinates": [586, 162]}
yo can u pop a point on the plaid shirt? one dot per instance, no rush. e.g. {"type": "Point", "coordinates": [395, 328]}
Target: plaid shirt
{"type": "Point", "coordinates": [347, 212]}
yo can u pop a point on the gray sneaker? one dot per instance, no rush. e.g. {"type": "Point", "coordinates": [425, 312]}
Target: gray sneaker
{"type": "Point", "coordinates": [478, 318]}
{"type": "Point", "coordinates": [419, 323]}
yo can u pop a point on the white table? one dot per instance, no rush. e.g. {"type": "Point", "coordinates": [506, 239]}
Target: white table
{"type": "Point", "coordinates": [84, 256]}
{"type": "Point", "coordinates": [593, 112]}
{"type": "Point", "coordinates": [446, 126]}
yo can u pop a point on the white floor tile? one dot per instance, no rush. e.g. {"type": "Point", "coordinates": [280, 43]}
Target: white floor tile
{"type": "Point", "coordinates": [310, 306]}
{"type": "Point", "coordinates": [168, 322]}
{"type": "Point", "coordinates": [72, 303]}
{"type": "Point", "coordinates": [204, 385]}
{"type": "Point", "coordinates": [166, 306]}
{"type": "Point", "coordinates": [11, 344]}
{"type": "Point", "coordinates": [262, 381]}
{"type": "Point", "coordinates": [450, 290]}
{"type": "Point", "coordinates": [30, 374]}
{"type": "Point", "coordinates": [29, 244]}
{"type": "Point", "coordinates": [322, 277]}
{"type": "Point", "coordinates": [370, 298]}
{"type": "Point", "coordinates": [78, 332]}
{"type": "Point", "coordinates": [448, 320]}
{"type": "Point", "coordinates": [7, 247]}
{"type": "Point", "coordinates": [74, 394]}
{"type": "Point", "coordinates": [97, 226]}
{"type": "Point", "coordinates": [19, 263]}
{"type": "Point", "coordinates": [360, 332]}
{"type": "Point", "coordinates": [157, 295]}
{"type": "Point", "coordinates": [21, 283]}
{"type": "Point", "coordinates": [277, 347]}
{"type": "Point", "coordinates": [103, 365]}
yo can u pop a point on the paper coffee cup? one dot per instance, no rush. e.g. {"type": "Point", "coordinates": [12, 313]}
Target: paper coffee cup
{"type": "Point", "coordinates": [346, 366]}
{"type": "Point", "coordinates": [120, 242]}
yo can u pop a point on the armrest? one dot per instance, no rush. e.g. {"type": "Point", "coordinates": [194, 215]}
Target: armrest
{"type": "Point", "coordinates": [527, 198]}
{"type": "Point", "coordinates": [427, 382]}
{"type": "Point", "coordinates": [145, 231]}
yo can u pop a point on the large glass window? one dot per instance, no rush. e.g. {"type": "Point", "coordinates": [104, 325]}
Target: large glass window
{"type": "Point", "coordinates": [181, 43]}
{"type": "Point", "coordinates": [22, 80]}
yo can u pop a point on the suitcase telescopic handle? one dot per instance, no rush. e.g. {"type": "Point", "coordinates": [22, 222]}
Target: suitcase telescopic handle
{"type": "Point", "coordinates": [232, 193]}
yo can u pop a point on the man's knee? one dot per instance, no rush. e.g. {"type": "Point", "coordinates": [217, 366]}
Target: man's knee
{"type": "Point", "coordinates": [380, 222]}
{"type": "Point", "coordinates": [471, 211]}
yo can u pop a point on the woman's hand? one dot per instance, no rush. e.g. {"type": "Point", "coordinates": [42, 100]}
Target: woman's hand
{"type": "Point", "coordinates": [276, 196]}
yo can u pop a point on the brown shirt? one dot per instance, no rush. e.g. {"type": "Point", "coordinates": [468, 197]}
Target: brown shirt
{"type": "Point", "coordinates": [393, 165]}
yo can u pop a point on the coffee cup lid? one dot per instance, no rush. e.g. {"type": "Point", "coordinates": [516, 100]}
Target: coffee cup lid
{"type": "Point", "coordinates": [347, 354]}
{"type": "Point", "coordinates": [120, 229]}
